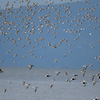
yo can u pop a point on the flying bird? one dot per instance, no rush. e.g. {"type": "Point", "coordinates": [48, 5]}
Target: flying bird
{"type": "Point", "coordinates": [94, 82]}
{"type": "Point", "coordinates": [92, 76]}
{"type": "Point", "coordinates": [35, 89]}
{"type": "Point", "coordinates": [83, 72]}
{"type": "Point", "coordinates": [85, 67]}
{"type": "Point", "coordinates": [30, 66]}
{"type": "Point", "coordinates": [27, 85]}
{"type": "Point", "coordinates": [57, 72]}
{"type": "Point", "coordinates": [23, 82]}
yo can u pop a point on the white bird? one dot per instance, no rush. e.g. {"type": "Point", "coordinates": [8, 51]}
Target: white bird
{"type": "Point", "coordinates": [90, 34]}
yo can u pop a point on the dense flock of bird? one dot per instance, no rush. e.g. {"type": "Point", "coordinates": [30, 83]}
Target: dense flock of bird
{"type": "Point", "coordinates": [24, 23]}
{"type": "Point", "coordinates": [21, 26]}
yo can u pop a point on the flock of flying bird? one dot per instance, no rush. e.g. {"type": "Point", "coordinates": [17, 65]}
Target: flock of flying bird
{"type": "Point", "coordinates": [57, 73]}
{"type": "Point", "coordinates": [29, 27]}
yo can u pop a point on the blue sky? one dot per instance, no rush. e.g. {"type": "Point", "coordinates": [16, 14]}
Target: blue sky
{"type": "Point", "coordinates": [82, 49]}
